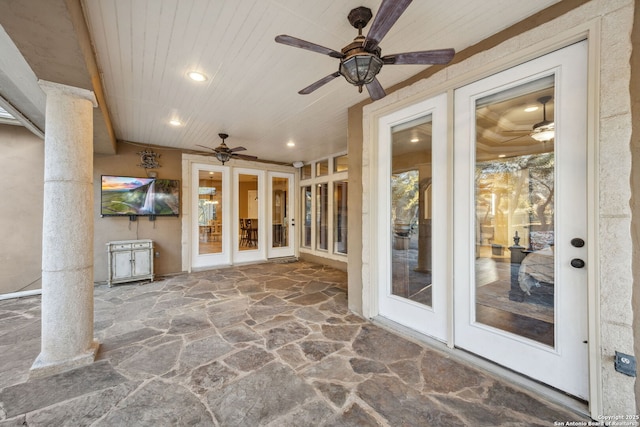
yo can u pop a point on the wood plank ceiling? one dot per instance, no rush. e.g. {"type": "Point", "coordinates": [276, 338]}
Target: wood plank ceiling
{"type": "Point", "coordinates": [145, 48]}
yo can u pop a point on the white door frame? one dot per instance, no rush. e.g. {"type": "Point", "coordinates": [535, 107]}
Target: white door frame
{"type": "Point", "coordinates": [431, 321]}
{"type": "Point", "coordinates": [289, 250]}
{"type": "Point", "coordinates": [215, 259]}
{"type": "Point", "coordinates": [565, 366]}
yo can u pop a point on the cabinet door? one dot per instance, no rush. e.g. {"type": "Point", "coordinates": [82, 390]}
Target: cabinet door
{"type": "Point", "coordinates": [141, 262]}
{"type": "Point", "coordinates": [121, 264]}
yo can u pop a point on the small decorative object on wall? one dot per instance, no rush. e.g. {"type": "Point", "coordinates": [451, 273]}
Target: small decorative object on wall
{"type": "Point", "coordinates": [148, 159]}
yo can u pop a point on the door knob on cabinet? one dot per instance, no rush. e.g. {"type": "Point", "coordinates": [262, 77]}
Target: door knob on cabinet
{"type": "Point", "coordinates": [577, 263]}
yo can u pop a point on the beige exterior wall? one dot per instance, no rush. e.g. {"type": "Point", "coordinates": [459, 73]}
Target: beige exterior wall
{"type": "Point", "coordinates": [22, 163]}
{"type": "Point", "coordinates": [166, 232]}
{"type": "Point", "coordinates": [608, 24]}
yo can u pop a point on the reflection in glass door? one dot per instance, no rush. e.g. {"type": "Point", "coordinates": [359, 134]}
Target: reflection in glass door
{"type": "Point", "coordinates": [248, 214]}
{"type": "Point", "coordinates": [514, 205]}
{"type": "Point", "coordinates": [410, 210]}
{"type": "Point", "coordinates": [210, 212]}
{"type": "Point", "coordinates": [413, 209]}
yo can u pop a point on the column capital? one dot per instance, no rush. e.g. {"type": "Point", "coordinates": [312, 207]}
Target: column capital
{"type": "Point", "coordinates": [51, 88]}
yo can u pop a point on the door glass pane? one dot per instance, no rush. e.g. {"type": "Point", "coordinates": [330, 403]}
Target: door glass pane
{"type": "Point", "coordinates": [279, 217]}
{"type": "Point", "coordinates": [340, 217]}
{"type": "Point", "coordinates": [322, 168]}
{"type": "Point", "coordinates": [411, 210]}
{"type": "Point", "coordinates": [514, 210]}
{"type": "Point", "coordinates": [210, 212]}
{"type": "Point", "coordinates": [306, 208]}
{"type": "Point", "coordinates": [248, 211]}
{"type": "Point", "coordinates": [341, 163]}
{"type": "Point", "coordinates": [322, 216]}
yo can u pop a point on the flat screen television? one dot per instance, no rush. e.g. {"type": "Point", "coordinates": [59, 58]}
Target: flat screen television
{"type": "Point", "coordinates": [130, 196]}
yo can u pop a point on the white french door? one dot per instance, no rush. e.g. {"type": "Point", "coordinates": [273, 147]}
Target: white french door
{"type": "Point", "coordinates": [211, 208]}
{"type": "Point", "coordinates": [520, 220]}
{"type": "Point", "coordinates": [249, 234]}
{"type": "Point", "coordinates": [280, 219]}
{"type": "Point", "coordinates": [412, 217]}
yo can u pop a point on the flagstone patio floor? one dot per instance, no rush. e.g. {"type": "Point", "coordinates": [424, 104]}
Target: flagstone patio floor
{"type": "Point", "coordinates": [268, 344]}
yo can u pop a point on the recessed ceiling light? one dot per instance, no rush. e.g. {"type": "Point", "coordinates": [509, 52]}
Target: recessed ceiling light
{"type": "Point", "coordinates": [210, 173]}
{"type": "Point", "coordinates": [291, 144]}
{"type": "Point", "coordinates": [175, 122]}
{"type": "Point", "coordinates": [502, 156]}
{"type": "Point", "coordinates": [197, 76]}
{"type": "Point", "coordinates": [531, 109]}
{"type": "Point", "coordinates": [414, 140]}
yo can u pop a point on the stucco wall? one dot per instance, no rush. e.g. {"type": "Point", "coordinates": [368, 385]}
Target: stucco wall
{"type": "Point", "coordinates": [166, 232]}
{"type": "Point", "coordinates": [22, 165]}
{"type": "Point", "coordinates": [611, 24]}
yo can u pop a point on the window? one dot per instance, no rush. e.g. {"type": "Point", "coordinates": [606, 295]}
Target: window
{"type": "Point", "coordinates": [305, 172]}
{"type": "Point", "coordinates": [340, 217]}
{"type": "Point", "coordinates": [306, 229]}
{"type": "Point", "coordinates": [340, 163]}
{"type": "Point", "coordinates": [322, 210]}
{"type": "Point", "coordinates": [323, 190]}
{"type": "Point", "coordinates": [322, 168]}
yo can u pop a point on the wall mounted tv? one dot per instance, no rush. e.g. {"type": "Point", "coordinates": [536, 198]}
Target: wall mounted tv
{"type": "Point", "coordinates": [130, 196]}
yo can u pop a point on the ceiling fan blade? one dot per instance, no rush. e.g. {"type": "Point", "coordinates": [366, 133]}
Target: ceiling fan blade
{"type": "Point", "coordinates": [244, 156]}
{"type": "Point", "coordinates": [387, 15]}
{"type": "Point", "coordinates": [323, 81]}
{"type": "Point", "coordinates": [237, 149]}
{"type": "Point", "coordinates": [303, 44]}
{"type": "Point", "coordinates": [375, 90]}
{"type": "Point", "coordinates": [438, 56]}
{"type": "Point", "coordinates": [208, 148]}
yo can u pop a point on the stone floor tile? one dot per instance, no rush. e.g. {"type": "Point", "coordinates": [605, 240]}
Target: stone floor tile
{"type": "Point", "coordinates": [376, 343]}
{"type": "Point", "coordinates": [199, 352]}
{"type": "Point", "coordinates": [172, 405]}
{"type": "Point", "coordinates": [42, 392]}
{"type": "Point", "coordinates": [265, 344]}
{"type": "Point", "coordinates": [284, 334]}
{"type": "Point", "coordinates": [251, 400]}
{"type": "Point", "coordinates": [81, 411]}
{"type": "Point", "coordinates": [154, 361]}
{"type": "Point", "coordinates": [209, 377]}
{"type": "Point", "coordinates": [436, 369]}
{"type": "Point", "coordinates": [250, 359]}
{"type": "Point", "coordinates": [336, 393]}
{"type": "Point", "coordinates": [314, 413]}
{"type": "Point", "coordinates": [355, 416]}
{"type": "Point", "coordinates": [404, 406]}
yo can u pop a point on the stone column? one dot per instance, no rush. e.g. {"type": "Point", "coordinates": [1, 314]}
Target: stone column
{"type": "Point", "coordinates": [67, 237]}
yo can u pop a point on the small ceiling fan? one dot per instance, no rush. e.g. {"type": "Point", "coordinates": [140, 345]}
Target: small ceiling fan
{"type": "Point", "coordinates": [224, 153]}
{"type": "Point", "coordinates": [361, 60]}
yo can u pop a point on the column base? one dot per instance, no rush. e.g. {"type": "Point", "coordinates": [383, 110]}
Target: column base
{"type": "Point", "coordinates": [43, 368]}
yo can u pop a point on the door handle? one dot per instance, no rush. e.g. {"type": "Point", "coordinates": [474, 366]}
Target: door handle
{"type": "Point", "coordinates": [577, 263]}
{"type": "Point", "coordinates": [577, 242]}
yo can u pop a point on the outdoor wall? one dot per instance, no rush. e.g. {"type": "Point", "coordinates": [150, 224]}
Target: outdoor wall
{"type": "Point", "coordinates": [166, 232]}
{"type": "Point", "coordinates": [610, 102]}
{"type": "Point", "coordinates": [22, 166]}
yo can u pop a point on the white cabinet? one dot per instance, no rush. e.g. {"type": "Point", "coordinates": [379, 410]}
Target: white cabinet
{"type": "Point", "coordinates": [129, 261]}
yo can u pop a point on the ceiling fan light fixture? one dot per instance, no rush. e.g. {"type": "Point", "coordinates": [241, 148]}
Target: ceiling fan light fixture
{"type": "Point", "coordinates": [545, 130]}
{"type": "Point", "coordinates": [360, 69]}
{"type": "Point", "coordinates": [223, 157]}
